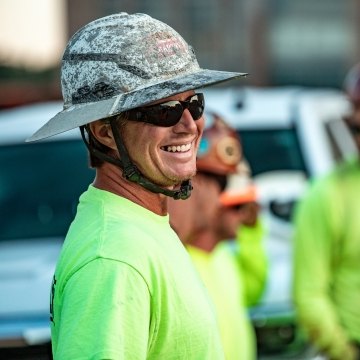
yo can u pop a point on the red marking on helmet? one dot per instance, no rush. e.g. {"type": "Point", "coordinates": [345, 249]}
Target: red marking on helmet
{"type": "Point", "coordinates": [171, 46]}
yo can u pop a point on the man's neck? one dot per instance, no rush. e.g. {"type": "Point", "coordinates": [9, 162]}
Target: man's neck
{"type": "Point", "coordinates": [204, 240]}
{"type": "Point", "coordinates": [109, 178]}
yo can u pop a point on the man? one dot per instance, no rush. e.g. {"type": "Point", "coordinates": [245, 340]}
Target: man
{"type": "Point", "coordinates": [327, 252]}
{"type": "Point", "coordinates": [196, 221]}
{"type": "Point", "coordinates": [238, 203]}
{"type": "Point", "coordinates": [124, 287]}
{"type": "Point", "coordinates": [238, 221]}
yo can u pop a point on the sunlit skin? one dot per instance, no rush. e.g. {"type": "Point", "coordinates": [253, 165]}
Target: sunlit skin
{"type": "Point", "coordinates": [151, 142]}
{"type": "Point", "coordinates": [230, 219]}
{"type": "Point", "coordinates": [146, 145]}
{"type": "Point", "coordinates": [228, 222]}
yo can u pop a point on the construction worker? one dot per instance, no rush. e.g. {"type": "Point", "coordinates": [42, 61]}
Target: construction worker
{"type": "Point", "coordinates": [239, 220]}
{"type": "Point", "coordinates": [327, 251]}
{"type": "Point", "coordinates": [124, 286]}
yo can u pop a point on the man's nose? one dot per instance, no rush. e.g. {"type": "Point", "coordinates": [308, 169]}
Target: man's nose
{"type": "Point", "coordinates": [186, 122]}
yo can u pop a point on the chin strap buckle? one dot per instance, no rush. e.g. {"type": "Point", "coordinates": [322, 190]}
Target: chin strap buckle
{"type": "Point", "coordinates": [184, 192]}
{"type": "Point", "coordinates": [131, 173]}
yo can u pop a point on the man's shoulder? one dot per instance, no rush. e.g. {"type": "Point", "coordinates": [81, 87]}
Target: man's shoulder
{"type": "Point", "coordinates": [343, 170]}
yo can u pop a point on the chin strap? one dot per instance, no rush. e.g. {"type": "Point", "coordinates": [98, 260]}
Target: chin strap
{"type": "Point", "coordinates": [131, 172]}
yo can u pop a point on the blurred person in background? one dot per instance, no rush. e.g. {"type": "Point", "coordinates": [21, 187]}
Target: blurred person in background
{"type": "Point", "coordinates": [218, 155]}
{"type": "Point", "coordinates": [197, 223]}
{"type": "Point", "coordinates": [327, 251]}
{"type": "Point", "coordinates": [239, 221]}
{"type": "Point", "coordinates": [240, 233]}
{"type": "Point", "coordinates": [124, 286]}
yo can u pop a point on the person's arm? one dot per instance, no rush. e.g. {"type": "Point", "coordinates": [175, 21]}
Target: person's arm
{"type": "Point", "coordinates": [317, 225]}
{"type": "Point", "coordinates": [105, 314]}
{"type": "Point", "coordinates": [253, 261]}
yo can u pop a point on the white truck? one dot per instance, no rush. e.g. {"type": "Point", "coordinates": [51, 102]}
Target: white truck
{"type": "Point", "coordinates": [288, 135]}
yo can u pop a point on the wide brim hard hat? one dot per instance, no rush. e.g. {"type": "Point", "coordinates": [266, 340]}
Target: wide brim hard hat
{"type": "Point", "coordinates": [81, 114]}
{"type": "Point", "coordinates": [121, 62]}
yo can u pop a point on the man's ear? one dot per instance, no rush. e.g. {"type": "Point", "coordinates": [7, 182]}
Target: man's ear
{"type": "Point", "coordinates": [102, 132]}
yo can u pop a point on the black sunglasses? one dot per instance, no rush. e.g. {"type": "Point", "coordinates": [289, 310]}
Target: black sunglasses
{"type": "Point", "coordinates": [168, 113]}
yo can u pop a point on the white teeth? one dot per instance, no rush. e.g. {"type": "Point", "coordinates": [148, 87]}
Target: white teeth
{"type": "Point", "coordinates": [179, 148]}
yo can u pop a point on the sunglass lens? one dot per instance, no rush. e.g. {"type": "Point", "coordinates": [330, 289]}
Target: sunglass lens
{"type": "Point", "coordinates": [163, 115]}
{"type": "Point", "coordinates": [168, 114]}
{"type": "Point", "coordinates": [172, 115]}
{"type": "Point", "coordinates": [196, 109]}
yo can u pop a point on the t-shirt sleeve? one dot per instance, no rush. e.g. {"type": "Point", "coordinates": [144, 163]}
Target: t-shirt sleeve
{"type": "Point", "coordinates": [105, 313]}
{"type": "Point", "coordinates": [253, 261]}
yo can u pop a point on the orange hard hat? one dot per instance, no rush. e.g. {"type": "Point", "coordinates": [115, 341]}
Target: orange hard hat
{"type": "Point", "coordinates": [220, 148]}
{"type": "Point", "coordinates": [240, 189]}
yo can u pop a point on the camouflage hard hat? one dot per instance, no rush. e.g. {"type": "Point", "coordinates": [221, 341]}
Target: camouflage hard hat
{"type": "Point", "coordinates": [220, 149]}
{"type": "Point", "coordinates": [120, 62]}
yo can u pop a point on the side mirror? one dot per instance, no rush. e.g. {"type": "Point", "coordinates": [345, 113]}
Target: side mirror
{"type": "Point", "coordinates": [283, 209]}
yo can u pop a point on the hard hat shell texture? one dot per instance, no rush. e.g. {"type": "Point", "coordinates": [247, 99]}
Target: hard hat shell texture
{"type": "Point", "coordinates": [120, 62]}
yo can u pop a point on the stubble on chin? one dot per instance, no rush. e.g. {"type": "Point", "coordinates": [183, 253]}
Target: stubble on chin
{"type": "Point", "coordinates": [176, 180]}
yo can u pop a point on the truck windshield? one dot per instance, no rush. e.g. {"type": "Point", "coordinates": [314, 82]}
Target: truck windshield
{"type": "Point", "coordinates": [272, 149]}
{"type": "Point", "coordinates": [39, 187]}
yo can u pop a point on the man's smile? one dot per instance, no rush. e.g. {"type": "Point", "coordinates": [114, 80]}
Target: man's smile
{"type": "Point", "coordinates": [177, 148]}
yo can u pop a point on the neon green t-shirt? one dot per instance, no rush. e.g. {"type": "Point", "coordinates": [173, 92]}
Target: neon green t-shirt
{"type": "Point", "coordinates": [125, 288]}
{"type": "Point", "coordinates": [251, 256]}
{"type": "Point", "coordinates": [222, 278]}
{"type": "Point", "coordinates": [327, 261]}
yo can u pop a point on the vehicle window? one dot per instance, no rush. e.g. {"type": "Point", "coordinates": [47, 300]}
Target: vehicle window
{"type": "Point", "coordinates": [272, 149]}
{"type": "Point", "coordinates": [40, 185]}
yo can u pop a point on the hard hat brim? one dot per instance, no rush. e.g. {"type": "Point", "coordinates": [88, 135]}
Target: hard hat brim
{"type": "Point", "coordinates": [81, 114]}
{"type": "Point", "coordinates": [242, 196]}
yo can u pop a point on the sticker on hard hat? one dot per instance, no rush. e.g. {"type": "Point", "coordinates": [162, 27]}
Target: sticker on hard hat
{"type": "Point", "coordinates": [228, 150]}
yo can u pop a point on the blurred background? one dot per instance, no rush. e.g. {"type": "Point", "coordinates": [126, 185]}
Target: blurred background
{"type": "Point", "coordinates": [278, 42]}
{"type": "Point", "coordinates": [288, 113]}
